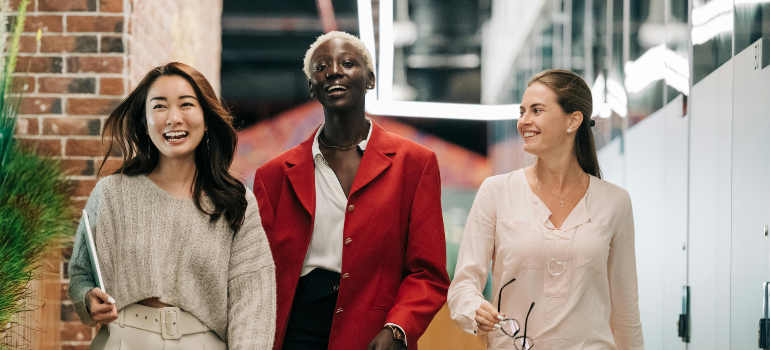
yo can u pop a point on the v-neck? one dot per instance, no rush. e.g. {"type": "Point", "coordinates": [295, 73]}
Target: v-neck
{"type": "Point", "coordinates": [577, 216]}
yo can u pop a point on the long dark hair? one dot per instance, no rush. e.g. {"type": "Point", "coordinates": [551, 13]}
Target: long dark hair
{"type": "Point", "coordinates": [574, 95]}
{"type": "Point", "coordinates": [126, 129]}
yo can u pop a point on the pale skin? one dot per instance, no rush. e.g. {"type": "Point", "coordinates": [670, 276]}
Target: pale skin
{"type": "Point", "coordinates": [171, 107]}
{"type": "Point", "coordinates": [337, 62]}
{"type": "Point", "coordinates": [548, 133]}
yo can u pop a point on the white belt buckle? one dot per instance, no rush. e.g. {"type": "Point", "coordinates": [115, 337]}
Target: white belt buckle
{"type": "Point", "coordinates": [169, 327]}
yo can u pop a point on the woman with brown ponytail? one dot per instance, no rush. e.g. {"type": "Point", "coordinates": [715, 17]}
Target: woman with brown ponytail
{"type": "Point", "coordinates": [560, 239]}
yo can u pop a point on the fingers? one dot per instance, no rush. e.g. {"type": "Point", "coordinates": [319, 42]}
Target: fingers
{"type": "Point", "coordinates": [105, 314]}
{"type": "Point", "coordinates": [101, 295]}
{"type": "Point", "coordinates": [492, 311]}
{"type": "Point", "coordinates": [487, 318]}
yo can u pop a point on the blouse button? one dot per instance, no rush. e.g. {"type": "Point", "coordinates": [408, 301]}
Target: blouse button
{"type": "Point", "coordinates": [350, 208]}
{"type": "Point", "coordinates": [345, 275]}
{"type": "Point", "coordinates": [339, 310]}
{"type": "Point", "coordinates": [348, 240]}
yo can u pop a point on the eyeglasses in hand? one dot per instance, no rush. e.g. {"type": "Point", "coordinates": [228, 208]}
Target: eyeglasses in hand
{"type": "Point", "coordinates": [512, 327]}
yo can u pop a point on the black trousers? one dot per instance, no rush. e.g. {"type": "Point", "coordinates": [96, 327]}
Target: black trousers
{"type": "Point", "coordinates": [312, 311]}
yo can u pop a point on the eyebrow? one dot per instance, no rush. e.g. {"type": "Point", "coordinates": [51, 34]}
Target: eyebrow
{"type": "Point", "coordinates": [180, 97]}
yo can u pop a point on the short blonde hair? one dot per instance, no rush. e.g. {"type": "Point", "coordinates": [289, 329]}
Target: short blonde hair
{"type": "Point", "coordinates": [352, 39]}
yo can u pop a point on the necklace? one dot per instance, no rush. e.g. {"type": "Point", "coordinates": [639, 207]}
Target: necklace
{"type": "Point", "coordinates": [561, 199]}
{"type": "Point", "coordinates": [338, 147]}
{"type": "Point", "coordinates": [562, 265]}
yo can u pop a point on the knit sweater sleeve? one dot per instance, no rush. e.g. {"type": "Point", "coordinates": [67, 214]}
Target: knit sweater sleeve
{"type": "Point", "coordinates": [80, 271]}
{"type": "Point", "coordinates": [251, 285]}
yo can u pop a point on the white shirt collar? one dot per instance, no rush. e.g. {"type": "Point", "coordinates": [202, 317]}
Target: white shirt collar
{"type": "Point", "coordinates": [361, 145]}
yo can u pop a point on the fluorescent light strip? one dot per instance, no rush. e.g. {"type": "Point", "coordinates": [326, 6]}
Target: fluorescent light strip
{"type": "Point", "coordinates": [703, 14]}
{"type": "Point", "coordinates": [718, 25]}
{"type": "Point", "coordinates": [443, 110]}
{"type": "Point", "coordinates": [379, 101]}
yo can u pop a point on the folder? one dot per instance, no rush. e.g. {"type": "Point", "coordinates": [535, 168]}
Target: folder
{"type": "Point", "coordinates": [92, 254]}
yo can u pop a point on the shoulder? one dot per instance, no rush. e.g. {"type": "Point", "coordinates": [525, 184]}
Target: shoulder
{"type": "Point", "coordinates": [611, 195]}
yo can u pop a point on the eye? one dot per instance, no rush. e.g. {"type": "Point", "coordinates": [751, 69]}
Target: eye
{"type": "Point", "coordinates": [158, 106]}
{"type": "Point", "coordinates": [188, 104]}
{"type": "Point", "coordinates": [538, 110]}
{"type": "Point", "coordinates": [319, 67]}
{"type": "Point", "coordinates": [348, 64]}
{"type": "Point", "coordinates": [521, 113]}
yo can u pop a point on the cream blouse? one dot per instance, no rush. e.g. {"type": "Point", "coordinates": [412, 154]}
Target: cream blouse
{"type": "Point", "coordinates": [593, 304]}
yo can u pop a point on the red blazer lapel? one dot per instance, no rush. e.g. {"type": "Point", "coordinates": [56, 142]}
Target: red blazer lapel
{"type": "Point", "coordinates": [375, 159]}
{"type": "Point", "coordinates": [301, 174]}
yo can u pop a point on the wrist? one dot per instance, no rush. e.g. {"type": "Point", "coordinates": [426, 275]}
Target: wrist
{"type": "Point", "coordinates": [398, 335]}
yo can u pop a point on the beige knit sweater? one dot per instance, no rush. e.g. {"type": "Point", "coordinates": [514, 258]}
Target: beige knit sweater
{"type": "Point", "coordinates": [151, 244]}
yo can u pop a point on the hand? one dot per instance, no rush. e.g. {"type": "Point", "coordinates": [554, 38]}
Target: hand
{"type": "Point", "coordinates": [385, 341]}
{"type": "Point", "coordinates": [102, 311]}
{"type": "Point", "coordinates": [487, 318]}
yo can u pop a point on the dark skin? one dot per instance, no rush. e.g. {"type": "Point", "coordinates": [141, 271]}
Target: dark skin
{"type": "Point", "coordinates": [339, 80]}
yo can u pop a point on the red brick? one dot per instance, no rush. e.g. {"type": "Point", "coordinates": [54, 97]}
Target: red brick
{"type": "Point", "coordinates": [111, 5]}
{"type": "Point", "coordinates": [14, 5]}
{"type": "Point", "coordinates": [80, 204]}
{"type": "Point", "coordinates": [39, 64]}
{"type": "Point", "coordinates": [84, 188]}
{"type": "Point", "coordinates": [64, 288]}
{"type": "Point", "coordinates": [81, 167]}
{"type": "Point", "coordinates": [27, 126]}
{"type": "Point", "coordinates": [83, 147]}
{"type": "Point", "coordinates": [47, 23]}
{"type": "Point", "coordinates": [110, 166]}
{"type": "Point", "coordinates": [27, 87]}
{"type": "Point", "coordinates": [58, 85]}
{"type": "Point", "coordinates": [72, 126]}
{"type": "Point", "coordinates": [75, 331]}
{"type": "Point", "coordinates": [91, 106]}
{"type": "Point", "coordinates": [85, 346]}
{"type": "Point", "coordinates": [101, 24]}
{"type": "Point", "coordinates": [94, 64]}
{"type": "Point", "coordinates": [112, 44]}
{"type": "Point", "coordinates": [40, 105]}
{"type": "Point", "coordinates": [111, 86]}
{"type": "Point", "coordinates": [70, 44]}
{"type": "Point", "coordinates": [41, 146]}
{"type": "Point", "coordinates": [27, 44]}
{"type": "Point", "coordinates": [68, 312]}
{"type": "Point", "coordinates": [66, 5]}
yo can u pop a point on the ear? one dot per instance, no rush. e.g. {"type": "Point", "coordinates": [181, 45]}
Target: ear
{"type": "Point", "coordinates": [310, 86]}
{"type": "Point", "coordinates": [575, 119]}
{"type": "Point", "coordinates": [371, 81]}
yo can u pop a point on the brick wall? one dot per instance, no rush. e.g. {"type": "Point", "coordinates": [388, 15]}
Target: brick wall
{"type": "Point", "coordinates": [91, 53]}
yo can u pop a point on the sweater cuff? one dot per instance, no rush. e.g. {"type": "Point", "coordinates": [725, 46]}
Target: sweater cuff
{"type": "Point", "coordinates": [79, 301]}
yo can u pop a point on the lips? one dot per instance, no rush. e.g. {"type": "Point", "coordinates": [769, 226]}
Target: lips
{"type": "Point", "coordinates": [175, 136]}
{"type": "Point", "coordinates": [336, 90]}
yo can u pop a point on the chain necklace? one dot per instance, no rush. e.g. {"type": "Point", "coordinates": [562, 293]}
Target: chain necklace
{"type": "Point", "coordinates": [338, 147]}
{"type": "Point", "coordinates": [562, 265]}
{"type": "Point", "coordinates": [561, 199]}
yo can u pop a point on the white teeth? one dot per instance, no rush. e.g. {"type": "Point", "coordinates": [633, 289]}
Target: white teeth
{"type": "Point", "coordinates": [176, 134]}
{"type": "Point", "coordinates": [330, 88]}
{"type": "Point", "coordinates": [529, 134]}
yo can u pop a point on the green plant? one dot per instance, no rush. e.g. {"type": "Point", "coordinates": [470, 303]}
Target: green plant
{"type": "Point", "coordinates": [36, 211]}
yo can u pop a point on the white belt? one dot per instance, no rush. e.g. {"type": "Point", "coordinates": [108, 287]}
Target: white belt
{"type": "Point", "coordinates": [170, 322]}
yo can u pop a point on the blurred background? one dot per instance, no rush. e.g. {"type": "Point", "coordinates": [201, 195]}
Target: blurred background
{"type": "Point", "coordinates": [680, 91]}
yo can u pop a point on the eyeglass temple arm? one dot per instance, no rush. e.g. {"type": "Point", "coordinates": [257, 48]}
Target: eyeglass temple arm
{"type": "Point", "coordinates": [524, 342]}
{"type": "Point", "coordinates": [500, 294]}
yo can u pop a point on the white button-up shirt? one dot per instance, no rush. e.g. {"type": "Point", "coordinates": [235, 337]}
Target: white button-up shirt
{"type": "Point", "coordinates": [325, 249]}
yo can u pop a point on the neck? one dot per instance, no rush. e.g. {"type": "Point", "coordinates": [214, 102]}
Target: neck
{"type": "Point", "coordinates": [179, 171]}
{"type": "Point", "coordinates": [559, 171]}
{"type": "Point", "coordinates": [345, 128]}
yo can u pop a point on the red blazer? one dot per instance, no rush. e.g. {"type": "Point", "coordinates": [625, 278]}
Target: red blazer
{"type": "Point", "coordinates": [395, 250]}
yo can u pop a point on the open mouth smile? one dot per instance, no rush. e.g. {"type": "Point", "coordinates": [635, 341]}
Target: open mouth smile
{"type": "Point", "coordinates": [175, 136]}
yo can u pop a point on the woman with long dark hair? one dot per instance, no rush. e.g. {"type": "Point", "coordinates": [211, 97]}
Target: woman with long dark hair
{"type": "Point", "coordinates": [180, 242]}
{"type": "Point", "coordinates": [560, 239]}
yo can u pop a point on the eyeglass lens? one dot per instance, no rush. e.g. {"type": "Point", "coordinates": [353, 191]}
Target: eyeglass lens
{"type": "Point", "coordinates": [511, 327]}
{"type": "Point", "coordinates": [523, 343]}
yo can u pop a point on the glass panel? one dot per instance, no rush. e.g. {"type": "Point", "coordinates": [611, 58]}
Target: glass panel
{"type": "Point", "coordinates": [677, 62]}
{"type": "Point", "coordinates": [712, 29]}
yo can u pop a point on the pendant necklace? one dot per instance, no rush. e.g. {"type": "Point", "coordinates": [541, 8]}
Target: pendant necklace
{"type": "Point", "coordinates": [561, 199]}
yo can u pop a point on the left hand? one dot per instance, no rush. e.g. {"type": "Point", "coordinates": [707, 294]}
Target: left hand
{"type": "Point", "coordinates": [385, 341]}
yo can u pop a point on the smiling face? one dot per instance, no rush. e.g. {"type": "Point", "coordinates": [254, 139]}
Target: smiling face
{"type": "Point", "coordinates": [543, 124]}
{"type": "Point", "coordinates": [339, 78]}
{"type": "Point", "coordinates": [174, 117]}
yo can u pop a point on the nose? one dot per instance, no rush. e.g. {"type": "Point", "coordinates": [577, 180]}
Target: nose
{"type": "Point", "coordinates": [173, 117]}
{"type": "Point", "coordinates": [334, 70]}
{"type": "Point", "coordinates": [525, 118]}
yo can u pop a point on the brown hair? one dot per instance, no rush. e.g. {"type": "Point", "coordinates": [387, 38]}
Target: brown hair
{"type": "Point", "coordinates": [574, 95]}
{"type": "Point", "coordinates": [127, 129]}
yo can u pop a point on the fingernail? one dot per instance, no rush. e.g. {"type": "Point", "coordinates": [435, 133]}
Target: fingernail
{"type": "Point", "coordinates": [500, 317]}
{"type": "Point", "coordinates": [497, 325]}
{"type": "Point", "coordinates": [111, 300]}
{"type": "Point", "coordinates": [503, 322]}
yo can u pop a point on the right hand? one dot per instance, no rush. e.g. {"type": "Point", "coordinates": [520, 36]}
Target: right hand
{"type": "Point", "coordinates": [102, 311]}
{"type": "Point", "coordinates": [487, 318]}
